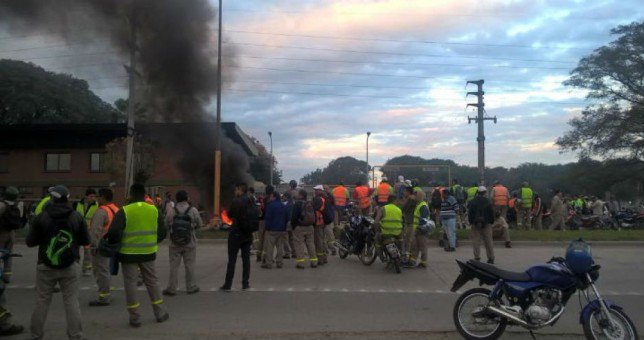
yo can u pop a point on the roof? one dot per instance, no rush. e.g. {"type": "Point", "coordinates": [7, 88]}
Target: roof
{"type": "Point", "coordinates": [95, 136]}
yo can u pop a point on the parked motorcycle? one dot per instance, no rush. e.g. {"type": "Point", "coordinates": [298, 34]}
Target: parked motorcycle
{"type": "Point", "coordinates": [629, 219]}
{"type": "Point", "coordinates": [537, 298]}
{"type": "Point", "coordinates": [353, 237]}
{"type": "Point", "coordinates": [390, 254]}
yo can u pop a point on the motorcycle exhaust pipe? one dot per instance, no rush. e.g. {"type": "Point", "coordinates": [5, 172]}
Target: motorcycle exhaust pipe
{"type": "Point", "coordinates": [507, 315]}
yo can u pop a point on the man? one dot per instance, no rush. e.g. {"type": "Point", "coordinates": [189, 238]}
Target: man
{"type": "Point", "coordinates": [526, 196]}
{"type": "Point", "coordinates": [537, 213]}
{"type": "Point", "coordinates": [448, 209]}
{"type": "Point", "coordinates": [409, 206]}
{"type": "Point", "coordinates": [243, 212]}
{"type": "Point", "coordinates": [329, 218]}
{"type": "Point", "coordinates": [500, 197]}
{"type": "Point", "coordinates": [460, 195]}
{"type": "Point", "coordinates": [399, 187]}
{"type": "Point", "coordinates": [388, 221]}
{"type": "Point", "coordinates": [383, 191]}
{"type": "Point", "coordinates": [340, 196]}
{"type": "Point", "coordinates": [481, 217]}
{"type": "Point", "coordinates": [184, 221]}
{"type": "Point", "coordinates": [138, 228]}
{"type": "Point", "coordinates": [260, 238]}
{"type": "Point", "coordinates": [319, 204]}
{"type": "Point", "coordinates": [597, 206]}
{"type": "Point", "coordinates": [500, 228]}
{"type": "Point", "coordinates": [289, 247]}
{"type": "Point", "coordinates": [99, 226]}
{"type": "Point", "coordinates": [58, 232]}
{"type": "Point", "coordinates": [168, 203]}
{"type": "Point", "coordinates": [513, 206]}
{"type": "Point", "coordinates": [361, 194]}
{"type": "Point", "coordinates": [303, 221]}
{"type": "Point", "coordinates": [10, 220]}
{"type": "Point", "coordinates": [471, 193]}
{"type": "Point", "coordinates": [86, 207]}
{"type": "Point", "coordinates": [419, 243]}
{"type": "Point", "coordinates": [558, 212]}
{"type": "Point", "coordinates": [435, 201]}
{"type": "Point", "coordinates": [276, 218]}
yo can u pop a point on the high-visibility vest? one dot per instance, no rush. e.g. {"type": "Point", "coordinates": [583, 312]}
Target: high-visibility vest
{"type": "Point", "coordinates": [500, 195]}
{"type": "Point", "coordinates": [417, 189]}
{"type": "Point", "coordinates": [416, 221]}
{"type": "Point", "coordinates": [110, 209]}
{"type": "Point", "coordinates": [41, 205]}
{"type": "Point", "coordinates": [471, 192]}
{"type": "Point", "coordinates": [340, 194]}
{"type": "Point", "coordinates": [392, 221]}
{"type": "Point", "coordinates": [89, 213]}
{"type": "Point", "coordinates": [526, 197]}
{"type": "Point", "coordinates": [140, 233]}
{"type": "Point", "coordinates": [384, 190]}
{"type": "Point", "coordinates": [362, 194]}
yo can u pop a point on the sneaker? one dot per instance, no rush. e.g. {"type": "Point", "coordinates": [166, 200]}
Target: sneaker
{"type": "Point", "coordinates": [224, 289]}
{"type": "Point", "coordinates": [508, 244]}
{"type": "Point", "coordinates": [136, 323]}
{"type": "Point", "coordinates": [99, 303]}
{"type": "Point", "coordinates": [266, 266]}
{"type": "Point", "coordinates": [194, 290]}
{"type": "Point", "coordinates": [168, 292]}
{"type": "Point", "coordinates": [163, 318]}
{"type": "Point", "coordinates": [490, 261]}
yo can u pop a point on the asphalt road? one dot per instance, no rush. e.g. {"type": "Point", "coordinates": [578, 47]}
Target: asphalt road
{"type": "Point", "coordinates": [342, 300]}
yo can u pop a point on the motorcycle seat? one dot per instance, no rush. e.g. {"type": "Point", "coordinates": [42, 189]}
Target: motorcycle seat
{"type": "Point", "coordinates": [503, 274]}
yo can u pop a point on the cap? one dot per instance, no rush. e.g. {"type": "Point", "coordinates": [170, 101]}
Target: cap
{"type": "Point", "coordinates": [59, 191]}
{"type": "Point", "coordinates": [11, 193]}
{"type": "Point", "coordinates": [318, 187]}
{"type": "Point", "coordinates": [482, 189]}
{"type": "Point", "coordinates": [408, 182]}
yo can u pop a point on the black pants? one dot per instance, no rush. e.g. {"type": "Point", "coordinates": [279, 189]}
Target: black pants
{"type": "Point", "coordinates": [235, 243]}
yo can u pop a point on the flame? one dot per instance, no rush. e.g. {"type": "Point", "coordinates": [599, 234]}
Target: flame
{"type": "Point", "coordinates": [225, 219]}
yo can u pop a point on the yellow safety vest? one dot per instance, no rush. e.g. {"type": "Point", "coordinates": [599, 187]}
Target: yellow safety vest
{"type": "Point", "coordinates": [471, 192]}
{"type": "Point", "coordinates": [87, 215]}
{"type": "Point", "coordinates": [140, 234]}
{"type": "Point", "coordinates": [416, 221]}
{"type": "Point", "coordinates": [526, 197]}
{"type": "Point", "coordinates": [392, 222]}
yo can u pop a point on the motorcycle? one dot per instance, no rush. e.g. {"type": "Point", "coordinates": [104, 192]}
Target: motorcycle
{"type": "Point", "coordinates": [353, 237]}
{"type": "Point", "coordinates": [534, 299]}
{"type": "Point", "coordinates": [629, 219]}
{"type": "Point", "coordinates": [390, 254]}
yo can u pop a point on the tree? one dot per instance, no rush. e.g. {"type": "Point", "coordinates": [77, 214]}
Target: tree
{"type": "Point", "coordinates": [344, 169]}
{"type": "Point", "coordinates": [31, 95]}
{"type": "Point", "coordinates": [143, 162]}
{"type": "Point", "coordinates": [614, 75]}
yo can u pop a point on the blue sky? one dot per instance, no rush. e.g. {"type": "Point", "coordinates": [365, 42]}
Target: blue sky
{"type": "Point", "coordinates": [319, 74]}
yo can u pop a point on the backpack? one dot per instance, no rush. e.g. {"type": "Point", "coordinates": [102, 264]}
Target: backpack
{"type": "Point", "coordinates": [11, 218]}
{"type": "Point", "coordinates": [251, 223]}
{"type": "Point", "coordinates": [479, 218]}
{"type": "Point", "coordinates": [59, 254]}
{"type": "Point", "coordinates": [181, 228]}
{"type": "Point", "coordinates": [307, 216]}
{"type": "Point", "coordinates": [328, 214]}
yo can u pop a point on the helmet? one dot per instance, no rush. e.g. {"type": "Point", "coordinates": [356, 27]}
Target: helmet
{"type": "Point", "coordinates": [425, 226]}
{"type": "Point", "coordinates": [11, 193]}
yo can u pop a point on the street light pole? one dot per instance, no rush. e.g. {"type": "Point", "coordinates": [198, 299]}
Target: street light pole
{"type": "Point", "coordinates": [217, 170]}
{"type": "Point", "coordinates": [270, 135]}
{"type": "Point", "coordinates": [368, 134]}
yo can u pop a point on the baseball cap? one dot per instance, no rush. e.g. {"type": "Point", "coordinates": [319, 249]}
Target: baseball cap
{"type": "Point", "coordinates": [482, 189]}
{"type": "Point", "coordinates": [318, 187]}
{"type": "Point", "coordinates": [59, 191]}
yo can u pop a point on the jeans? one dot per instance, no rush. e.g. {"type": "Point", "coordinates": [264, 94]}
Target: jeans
{"type": "Point", "coordinates": [237, 242]}
{"type": "Point", "coordinates": [449, 225]}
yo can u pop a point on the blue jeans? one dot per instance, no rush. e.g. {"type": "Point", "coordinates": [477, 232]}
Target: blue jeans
{"type": "Point", "coordinates": [449, 226]}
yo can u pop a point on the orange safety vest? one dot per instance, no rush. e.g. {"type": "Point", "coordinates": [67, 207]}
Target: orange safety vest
{"type": "Point", "coordinates": [340, 196]}
{"type": "Point", "coordinates": [501, 196]}
{"type": "Point", "coordinates": [384, 189]}
{"type": "Point", "coordinates": [512, 202]}
{"type": "Point", "coordinates": [111, 209]}
{"type": "Point", "coordinates": [362, 195]}
{"type": "Point", "coordinates": [149, 200]}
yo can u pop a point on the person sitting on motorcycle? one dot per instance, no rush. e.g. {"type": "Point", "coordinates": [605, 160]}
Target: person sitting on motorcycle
{"type": "Point", "coordinates": [389, 222]}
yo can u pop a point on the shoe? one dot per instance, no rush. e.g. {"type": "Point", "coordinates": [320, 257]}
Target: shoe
{"type": "Point", "coordinates": [508, 244]}
{"type": "Point", "coordinates": [409, 264]}
{"type": "Point", "coordinates": [266, 266]}
{"type": "Point", "coordinates": [6, 279]}
{"type": "Point", "coordinates": [168, 292]}
{"type": "Point", "coordinates": [422, 265]}
{"type": "Point", "coordinates": [300, 266]}
{"type": "Point", "coordinates": [193, 290]}
{"type": "Point", "coordinates": [99, 303]}
{"type": "Point", "coordinates": [490, 261]}
{"type": "Point", "coordinates": [246, 287]}
{"type": "Point", "coordinates": [163, 318]}
{"type": "Point", "coordinates": [224, 289]}
{"type": "Point", "coordinates": [477, 259]}
{"type": "Point", "coordinates": [279, 265]}
{"type": "Point", "coordinates": [446, 248]}
{"type": "Point", "coordinates": [136, 323]}
{"type": "Point", "coordinates": [450, 249]}
{"type": "Point", "coordinates": [12, 330]}
{"type": "Point", "coordinates": [286, 257]}
{"type": "Point", "coordinates": [259, 258]}
{"type": "Point", "coordinates": [314, 265]}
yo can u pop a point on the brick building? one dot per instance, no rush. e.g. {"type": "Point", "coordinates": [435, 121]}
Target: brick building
{"type": "Point", "coordinates": [35, 157]}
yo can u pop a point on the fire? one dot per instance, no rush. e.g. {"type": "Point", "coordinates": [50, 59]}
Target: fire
{"type": "Point", "coordinates": [225, 219]}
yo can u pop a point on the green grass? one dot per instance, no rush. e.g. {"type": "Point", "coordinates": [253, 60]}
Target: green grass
{"type": "Point", "coordinates": [552, 235]}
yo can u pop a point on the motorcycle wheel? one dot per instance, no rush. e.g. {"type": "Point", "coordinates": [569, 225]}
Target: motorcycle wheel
{"type": "Point", "coordinates": [623, 326]}
{"type": "Point", "coordinates": [342, 253]}
{"type": "Point", "coordinates": [477, 327]}
{"type": "Point", "coordinates": [368, 254]}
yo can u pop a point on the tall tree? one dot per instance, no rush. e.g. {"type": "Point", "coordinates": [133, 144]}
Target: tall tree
{"type": "Point", "coordinates": [31, 95]}
{"type": "Point", "coordinates": [614, 75]}
{"type": "Point", "coordinates": [344, 169]}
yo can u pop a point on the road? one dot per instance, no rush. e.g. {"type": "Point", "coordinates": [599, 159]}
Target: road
{"type": "Point", "coordinates": [342, 300]}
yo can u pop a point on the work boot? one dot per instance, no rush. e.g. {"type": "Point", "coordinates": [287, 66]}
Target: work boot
{"type": "Point", "coordinates": [490, 261]}
{"type": "Point", "coordinates": [508, 244]}
{"type": "Point", "coordinates": [266, 266]}
{"type": "Point", "coordinates": [99, 303]}
{"type": "Point", "coordinates": [422, 265]}
{"type": "Point", "coordinates": [168, 292]}
{"type": "Point", "coordinates": [163, 318]}
{"type": "Point", "coordinates": [286, 257]}
{"type": "Point", "coordinates": [194, 290]}
{"type": "Point", "coordinates": [225, 289]}
{"type": "Point", "coordinates": [314, 265]}
{"type": "Point", "coordinates": [135, 322]}
{"type": "Point", "coordinates": [299, 266]}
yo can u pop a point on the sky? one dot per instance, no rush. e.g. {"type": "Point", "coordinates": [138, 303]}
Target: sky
{"type": "Point", "coordinates": [320, 74]}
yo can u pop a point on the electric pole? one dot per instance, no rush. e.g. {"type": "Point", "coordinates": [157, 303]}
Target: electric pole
{"type": "Point", "coordinates": [217, 170]}
{"type": "Point", "coordinates": [479, 119]}
{"type": "Point", "coordinates": [131, 105]}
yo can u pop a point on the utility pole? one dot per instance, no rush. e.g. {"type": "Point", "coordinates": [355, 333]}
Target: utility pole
{"type": "Point", "coordinates": [131, 106]}
{"type": "Point", "coordinates": [479, 119]}
{"type": "Point", "coordinates": [368, 135]}
{"type": "Point", "coordinates": [217, 170]}
{"type": "Point", "coordinates": [270, 135]}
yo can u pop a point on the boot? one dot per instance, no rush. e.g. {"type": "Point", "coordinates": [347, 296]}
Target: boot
{"type": "Point", "coordinates": [508, 244]}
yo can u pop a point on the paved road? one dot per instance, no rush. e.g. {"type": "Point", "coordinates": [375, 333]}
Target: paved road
{"type": "Point", "coordinates": [343, 300]}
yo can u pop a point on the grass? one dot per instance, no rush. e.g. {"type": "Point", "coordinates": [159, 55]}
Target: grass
{"type": "Point", "coordinates": [552, 235]}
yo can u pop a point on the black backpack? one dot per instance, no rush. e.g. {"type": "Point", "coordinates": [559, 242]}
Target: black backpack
{"type": "Point", "coordinates": [11, 218]}
{"type": "Point", "coordinates": [307, 216]}
{"type": "Point", "coordinates": [181, 228]}
{"type": "Point", "coordinates": [328, 213]}
{"type": "Point", "coordinates": [251, 223]}
{"type": "Point", "coordinates": [59, 252]}
{"type": "Point", "coordinates": [479, 217]}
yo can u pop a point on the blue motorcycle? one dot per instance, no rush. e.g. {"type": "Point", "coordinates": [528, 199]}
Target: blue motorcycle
{"type": "Point", "coordinates": [536, 298]}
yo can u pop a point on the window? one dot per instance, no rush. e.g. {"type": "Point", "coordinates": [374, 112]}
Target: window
{"type": "Point", "coordinates": [97, 162]}
{"type": "Point", "coordinates": [58, 162]}
{"type": "Point", "coordinates": [4, 162]}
